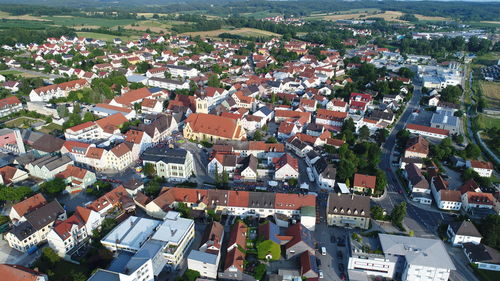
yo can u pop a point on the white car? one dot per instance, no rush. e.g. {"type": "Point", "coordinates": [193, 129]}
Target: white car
{"type": "Point", "coordinates": [321, 276]}
{"type": "Point", "coordinates": [323, 251]}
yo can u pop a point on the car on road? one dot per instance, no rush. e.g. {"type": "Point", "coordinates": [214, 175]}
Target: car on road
{"type": "Point", "coordinates": [333, 239]}
{"type": "Point", "coordinates": [321, 275]}
{"type": "Point", "coordinates": [341, 267]}
{"type": "Point", "coordinates": [342, 276]}
{"type": "Point", "coordinates": [340, 255]}
{"type": "Point", "coordinates": [318, 261]}
{"type": "Point", "coordinates": [341, 242]}
{"type": "Point", "coordinates": [323, 251]}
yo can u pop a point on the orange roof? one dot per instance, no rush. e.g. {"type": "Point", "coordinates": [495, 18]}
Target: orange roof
{"type": "Point", "coordinates": [14, 272]}
{"type": "Point", "coordinates": [133, 96]}
{"type": "Point", "coordinates": [481, 164]}
{"type": "Point", "coordinates": [70, 145]}
{"type": "Point", "coordinates": [234, 258]}
{"type": "Point", "coordinates": [27, 205]}
{"type": "Point", "coordinates": [72, 171]}
{"type": "Point", "coordinates": [81, 126]}
{"type": "Point", "coordinates": [64, 86]}
{"type": "Point", "coordinates": [291, 201]}
{"type": "Point", "coordinates": [330, 114]}
{"type": "Point", "coordinates": [113, 107]}
{"type": "Point", "coordinates": [238, 198]}
{"type": "Point", "coordinates": [287, 159]}
{"type": "Point", "coordinates": [111, 198]}
{"type": "Point", "coordinates": [120, 149]}
{"type": "Point", "coordinates": [418, 145]}
{"type": "Point", "coordinates": [111, 123]}
{"type": "Point", "coordinates": [427, 129]}
{"type": "Point", "coordinates": [364, 181]}
{"type": "Point", "coordinates": [238, 235]}
{"type": "Point", "coordinates": [9, 101]}
{"type": "Point", "coordinates": [95, 153]}
{"type": "Point", "coordinates": [134, 136]}
{"type": "Point", "coordinates": [480, 198]}
{"type": "Point", "coordinates": [149, 103]}
{"type": "Point", "coordinates": [7, 173]}
{"type": "Point", "coordinates": [213, 125]}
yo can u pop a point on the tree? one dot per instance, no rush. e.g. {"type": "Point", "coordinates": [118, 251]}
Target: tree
{"type": "Point", "coordinates": [260, 271]}
{"type": "Point", "coordinates": [451, 94]}
{"type": "Point", "coordinates": [142, 67]}
{"type": "Point", "coordinates": [51, 256]}
{"type": "Point", "coordinates": [490, 230]}
{"type": "Point", "coordinates": [53, 187]}
{"type": "Point", "coordinates": [153, 187]}
{"type": "Point", "coordinates": [472, 151]}
{"type": "Point", "coordinates": [183, 209]}
{"type": "Point", "coordinates": [257, 136]}
{"type": "Point", "coordinates": [293, 182]}
{"type": "Point", "coordinates": [381, 182]}
{"type": "Point", "coordinates": [268, 247]}
{"type": "Point", "coordinates": [364, 133]}
{"type": "Point", "coordinates": [189, 275]}
{"type": "Point", "coordinates": [149, 170]}
{"type": "Point", "coordinates": [406, 72]}
{"type": "Point", "coordinates": [381, 135]}
{"type": "Point", "coordinates": [14, 194]}
{"type": "Point", "coordinates": [213, 81]}
{"type": "Point", "coordinates": [398, 214]}
{"type": "Point", "coordinates": [402, 137]}
{"type": "Point", "coordinates": [377, 212]}
{"type": "Point", "coordinates": [271, 139]}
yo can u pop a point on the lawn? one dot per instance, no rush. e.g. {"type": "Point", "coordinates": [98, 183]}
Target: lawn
{"type": "Point", "coordinates": [485, 122]}
{"type": "Point", "coordinates": [247, 32]}
{"type": "Point", "coordinates": [10, 72]}
{"type": "Point", "coordinates": [79, 21]}
{"type": "Point", "coordinates": [491, 91]}
{"type": "Point", "coordinates": [50, 127]}
{"type": "Point", "coordinates": [261, 14]}
{"type": "Point", "coordinates": [104, 37]}
{"type": "Point", "coordinates": [21, 122]}
{"type": "Point", "coordinates": [487, 275]}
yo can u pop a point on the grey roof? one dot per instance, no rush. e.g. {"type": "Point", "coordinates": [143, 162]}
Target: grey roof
{"type": "Point", "coordinates": [44, 215]}
{"type": "Point", "coordinates": [166, 155]}
{"type": "Point", "coordinates": [444, 117]}
{"type": "Point", "coordinates": [104, 275]}
{"type": "Point", "coordinates": [37, 220]}
{"type": "Point", "coordinates": [378, 114]}
{"type": "Point", "coordinates": [181, 67]}
{"type": "Point", "coordinates": [417, 251]}
{"type": "Point", "coordinates": [482, 253]}
{"type": "Point", "coordinates": [345, 203]}
{"type": "Point", "coordinates": [330, 172]}
{"type": "Point", "coordinates": [165, 80]}
{"type": "Point", "coordinates": [48, 143]}
{"type": "Point", "coordinates": [149, 250]}
{"type": "Point", "coordinates": [250, 162]}
{"type": "Point", "coordinates": [465, 228]}
{"type": "Point", "coordinates": [261, 200]}
{"type": "Point", "coordinates": [415, 176]}
{"type": "Point", "coordinates": [265, 110]}
{"type": "Point", "coordinates": [203, 257]}
{"type": "Point", "coordinates": [51, 162]}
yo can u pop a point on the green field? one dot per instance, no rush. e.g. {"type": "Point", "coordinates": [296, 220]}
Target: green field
{"type": "Point", "coordinates": [104, 37]}
{"type": "Point", "coordinates": [50, 127]}
{"type": "Point", "coordinates": [28, 24]}
{"type": "Point", "coordinates": [22, 122]}
{"type": "Point", "coordinates": [261, 14]}
{"type": "Point", "coordinates": [10, 72]}
{"type": "Point", "coordinates": [78, 21]}
{"type": "Point", "coordinates": [485, 122]}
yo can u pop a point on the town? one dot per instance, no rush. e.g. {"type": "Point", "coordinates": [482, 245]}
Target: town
{"type": "Point", "coordinates": [173, 156]}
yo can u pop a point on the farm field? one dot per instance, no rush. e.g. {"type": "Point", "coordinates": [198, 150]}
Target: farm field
{"type": "Point", "coordinates": [370, 13]}
{"type": "Point", "coordinates": [248, 32]}
{"type": "Point", "coordinates": [82, 21]}
{"type": "Point", "coordinates": [104, 37]}
{"type": "Point", "coordinates": [154, 26]}
{"type": "Point", "coordinates": [491, 91]}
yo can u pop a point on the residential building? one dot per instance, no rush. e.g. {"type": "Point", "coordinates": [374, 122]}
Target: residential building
{"type": "Point", "coordinates": [182, 71]}
{"type": "Point", "coordinates": [364, 183]}
{"type": "Point", "coordinates": [445, 199]}
{"type": "Point", "coordinates": [11, 175]}
{"type": "Point", "coordinates": [10, 105]}
{"type": "Point", "coordinates": [461, 232]}
{"type": "Point", "coordinates": [237, 203]}
{"type": "Point", "coordinates": [347, 210]}
{"type": "Point", "coordinates": [477, 201]}
{"type": "Point", "coordinates": [300, 240]}
{"type": "Point", "coordinates": [286, 167]}
{"type": "Point", "coordinates": [34, 226]}
{"type": "Point", "coordinates": [417, 147]}
{"type": "Point", "coordinates": [26, 206]}
{"type": "Point", "coordinates": [206, 259]}
{"type": "Point", "coordinates": [77, 178]}
{"type": "Point", "coordinates": [483, 256]}
{"type": "Point", "coordinates": [200, 126]}
{"type": "Point", "coordinates": [16, 272]}
{"type": "Point", "coordinates": [47, 167]}
{"type": "Point", "coordinates": [170, 163]}
{"type": "Point", "coordinates": [484, 169]}
{"type": "Point", "coordinates": [418, 184]}
{"type": "Point", "coordinates": [46, 93]}
{"type": "Point", "coordinates": [73, 232]}
{"type": "Point", "coordinates": [421, 258]}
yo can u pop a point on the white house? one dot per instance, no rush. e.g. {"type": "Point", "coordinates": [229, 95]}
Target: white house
{"type": "Point", "coordinates": [484, 169]}
{"type": "Point", "coordinates": [463, 232]}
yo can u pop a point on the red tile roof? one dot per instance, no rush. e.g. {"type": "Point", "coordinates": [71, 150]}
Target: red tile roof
{"type": "Point", "coordinates": [481, 165]}
{"type": "Point", "coordinates": [34, 202]}
{"type": "Point", "coordinates": [364, 181]}
{"type": "Point", "coordinates": [13, 272]}
{"type": "Point", "coordinates": [427, 129]}
{"type": "Point", "coordinates": [213, 125]}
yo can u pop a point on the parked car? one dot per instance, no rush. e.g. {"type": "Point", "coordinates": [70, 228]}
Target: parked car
{"type": "Point", "coordinates": [318, 261]}
{"type": "Point", "coordinates": [341, 267]}
{"type": "Point", "coordinates": [341, 242]}
{"type": "Point", "coordinates": [340, 255]}
{"type": "Point", "coordinates": [321, 275]}
{"type": "Point", "coordinates": [342, 276]}
{"type": "Point", "coordinates": [323, 251]}
{"type": "Point", "coordinates": [333, 239]}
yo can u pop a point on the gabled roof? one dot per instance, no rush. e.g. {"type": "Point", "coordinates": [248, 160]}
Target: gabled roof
{"type": "Point", "coordinates": [238, 235]}
{"type": "Point", "coordinates": [299, 234]}
{"type": "Point", "coordinates": [30, 204]}
{"type": "Point", "coordinates": [364, 181]}
{"type": "Point", "coordinates": [287, 159]}
{"type": "Point", "coordinates": [133, 96]}
{"type": "Point", "coordinates": [213, 125]}
{"type": "Point", "coordinates": [111, 123]}
{"type": "Point", "coordinates": [14, 272]}
{"type": "Point", "coordinates": [418, 144]}
{"type": "Point", "coordinates": [465, 228]}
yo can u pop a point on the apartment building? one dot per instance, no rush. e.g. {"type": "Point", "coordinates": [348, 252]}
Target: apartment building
{"type": "Point", "coordinates": [170, 163]}
{"type": "Point", "coordinates": [347, 210]}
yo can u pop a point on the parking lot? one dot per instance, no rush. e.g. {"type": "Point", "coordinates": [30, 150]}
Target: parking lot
{"type": "Point", "coordinates": [333, 266]}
